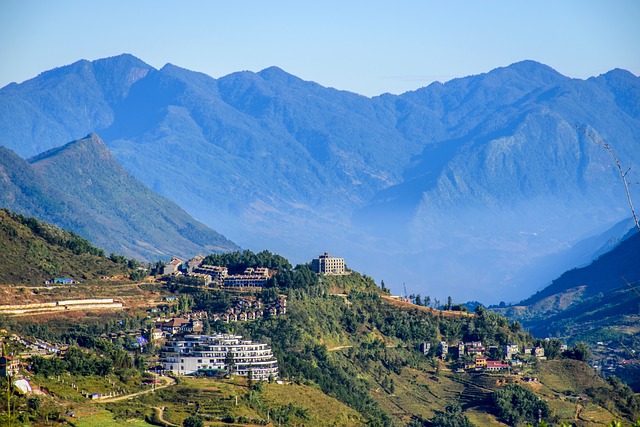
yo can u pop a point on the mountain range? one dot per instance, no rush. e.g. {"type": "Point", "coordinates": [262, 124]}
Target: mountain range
{"type": "Point", "coordinates": [480, 187]}
{"type": "Point", "coordinates": [81, 187]}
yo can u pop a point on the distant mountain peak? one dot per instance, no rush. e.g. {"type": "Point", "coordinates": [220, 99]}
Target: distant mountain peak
{"type": "Point", "coordinates": [185, 75]}
{"type": "Point", "coordinates": [619, 74]}
{"type": "Point", "coordinates": [273, 68]}
{"type": "Point", "coordinates": [530, 64]}
{"type": "Point", "coordinates": [169, 67]}
{"type": "Point", "coordinates": [123, 59]}
{"type": "Point", "coordinates": [83, 187]}
{"type": "Point", "coordinates": [274, 71]}
{"type": "Point", "coordinates": [531, 70]}
{"type": "Point", "coordinates": [276, 74]}
{"type": "Point", "coordinates": [90, 144]}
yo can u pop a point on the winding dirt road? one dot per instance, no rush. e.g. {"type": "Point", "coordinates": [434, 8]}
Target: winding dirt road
{"type": "Point", "coordinates": [166, 382]}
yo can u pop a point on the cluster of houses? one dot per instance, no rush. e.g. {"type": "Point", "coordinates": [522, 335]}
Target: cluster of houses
{"type": "Point", "coordinates": [176, 325]}
{"type": "Point", "coordinates": [215, 275]}
{"type": "Point", "coordinates": [10, 369]}
{"type": "Point", "coordinates": [243, 309]}
{"type": "Point", "coordinates": [10, 364]}
{"type": "Point", "coordinates": [250, 309]}
{"type": "Point", "coordinates": [477, 351]}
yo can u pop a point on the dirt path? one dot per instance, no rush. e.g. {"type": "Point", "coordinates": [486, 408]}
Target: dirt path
{"type": "Point", "coordinates": [578, 411]}
{"type": "Point", "coordinates": [167, 381]}
{"type": "Point", "coordinates": [340, 347]}
{"type": "Point", "coordinates": [407, 305]}
{"type": "Point", "coordinates": [160, 413]}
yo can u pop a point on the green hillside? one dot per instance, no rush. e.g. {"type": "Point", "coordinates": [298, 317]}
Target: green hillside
{"type": "Point", "coordinates": [33, 252]}
{"type": "Point", "coordinates": [348, 355]}
{"type": "Point", "coordinates": [343, 335]}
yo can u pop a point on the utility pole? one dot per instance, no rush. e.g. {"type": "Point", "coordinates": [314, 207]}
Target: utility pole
{"type": "Point", "coordinates": [3, 352]}
{"type": "Point", "coordinates": [9, 399]}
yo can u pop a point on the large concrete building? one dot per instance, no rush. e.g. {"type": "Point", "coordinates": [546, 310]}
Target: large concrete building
{"type": "Point", "coordinates": [194, 354]}
{"type": "Point", "coordinates": [326, 264]}
{"type": "Point", "coordinates": [252, 278]}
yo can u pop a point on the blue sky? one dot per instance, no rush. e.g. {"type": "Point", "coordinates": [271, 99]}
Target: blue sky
{"type": "Point", "coordinates": [368, 47]}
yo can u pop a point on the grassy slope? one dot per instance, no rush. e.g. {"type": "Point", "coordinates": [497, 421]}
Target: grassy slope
{"type": "Point", "coordinates": [213, 399]}
{"type": "Point", "coordinates": [103, 418]}
{"type": "Point", "coordinates": [28, 259]}
{"type": "Point", "coordinates": [562, 381]}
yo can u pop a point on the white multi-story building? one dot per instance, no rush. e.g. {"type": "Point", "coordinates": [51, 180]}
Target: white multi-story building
{"type": "Point", "coordinates": [205, 354]}
{"type": "Point", "coordinates": [326, 264]}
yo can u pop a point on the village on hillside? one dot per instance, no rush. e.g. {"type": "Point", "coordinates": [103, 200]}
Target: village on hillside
{"type": "Point", "coordinates": [175, 340]}
{"type": "Point", "coordinates": [184, 337]}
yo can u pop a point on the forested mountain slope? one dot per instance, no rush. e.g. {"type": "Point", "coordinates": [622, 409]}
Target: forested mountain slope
{"type": "Point", "coordinates": [81, 187]}
{"type": "Point", "coordinates": [482, 182]}
{"type": "Point", "coordinates": [598, 304]}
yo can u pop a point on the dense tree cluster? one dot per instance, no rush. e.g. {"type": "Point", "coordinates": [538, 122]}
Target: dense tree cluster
{"type": "Point", "coordinates": [451, 417]}
{"type": "Point", "coordinates": [76, 362]}
{"type": "Point", "coordinates": [56, 236]}
{"type": "Point", "coordinates": [516, 404]}
{"type": "Point", "coordinates": [193, 421]}
{"type": "Point", "coordinates": [299, 277]}
{"type": "Point", "coordinates": [237, 262]}
{"type": "Point", "coordinates": [579, 352]}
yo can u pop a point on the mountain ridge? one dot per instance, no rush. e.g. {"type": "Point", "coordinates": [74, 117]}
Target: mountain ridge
{"type": "Point", "coordinates": [82, 187]}
{"type": "Point", "coordinates": [285, 163]}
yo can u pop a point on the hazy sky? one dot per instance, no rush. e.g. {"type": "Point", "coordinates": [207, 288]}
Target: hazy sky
{"type": "Point", "coordinates": [368, 47]}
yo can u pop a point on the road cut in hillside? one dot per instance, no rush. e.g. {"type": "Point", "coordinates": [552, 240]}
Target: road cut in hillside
{"type": "Point", "coordinates": [395, 301]}
{"type": "Point", "coordinates": [58, 306]}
